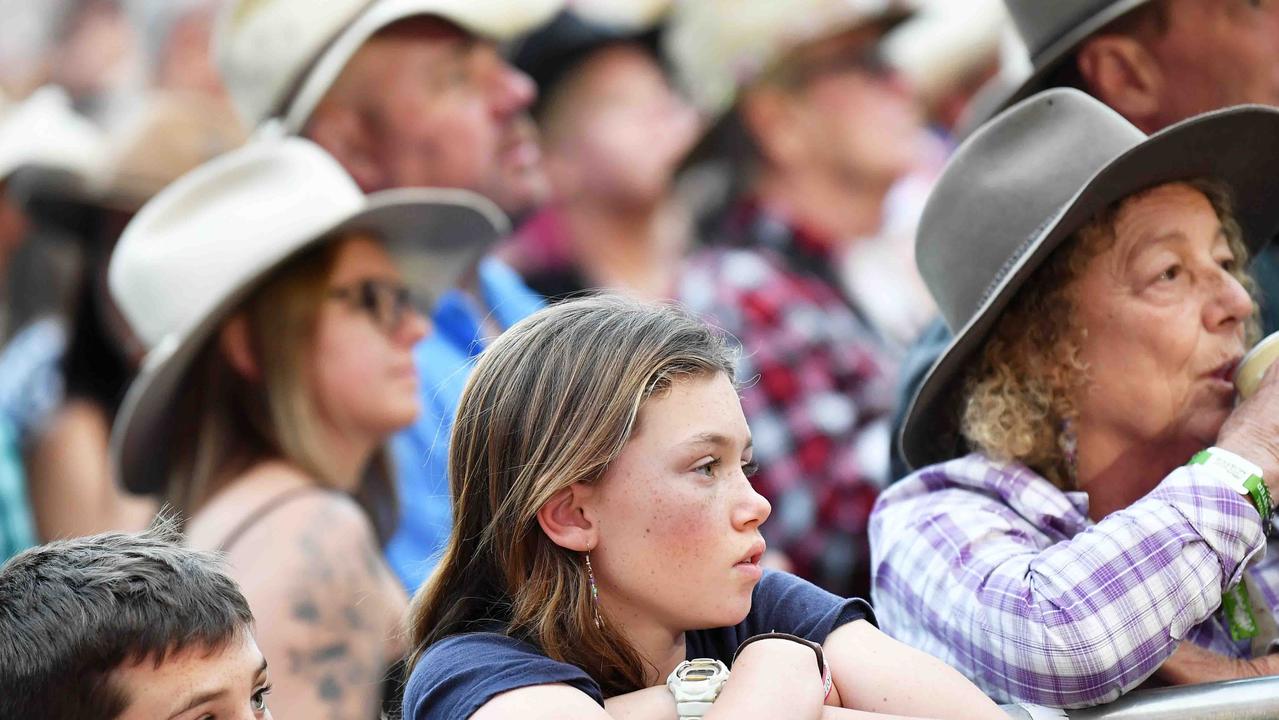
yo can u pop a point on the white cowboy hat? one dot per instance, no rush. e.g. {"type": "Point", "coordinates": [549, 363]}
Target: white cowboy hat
{"type": "Point", "coordinates": [279, 57]}
{"type": "Point", "coordinates": [203, 243]}
{"type": "Point", "coordinates": [45, 133]}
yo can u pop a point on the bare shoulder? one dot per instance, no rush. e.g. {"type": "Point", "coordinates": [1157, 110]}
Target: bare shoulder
{"type": "Point", "coordinates": [271, 502]}
{"type": "Point", "coordinates": [77, 423]}
{"type": "Point", "coordinates": [328, 610]}
{"type": "Point", "coordinates": [83, 415]}
{"type": "Point", "coordinates": [315, 539]}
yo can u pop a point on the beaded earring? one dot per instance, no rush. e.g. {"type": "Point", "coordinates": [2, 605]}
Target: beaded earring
{"type": "Point", "coordinates": [595, 591]}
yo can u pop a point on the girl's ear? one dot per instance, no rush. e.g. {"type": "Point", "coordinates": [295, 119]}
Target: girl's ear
{"type": "Point", "coordinates": [566, 519]}
{"type": "Point", "coordinates": [233, 341]}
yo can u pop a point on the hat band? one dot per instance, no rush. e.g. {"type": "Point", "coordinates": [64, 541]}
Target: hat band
{"type": "Point", "coordinates": [1012, 261]}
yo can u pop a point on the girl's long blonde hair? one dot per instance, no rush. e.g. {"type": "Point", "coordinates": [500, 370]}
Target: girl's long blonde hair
{"type": "Point", "coordinates": [550, 404]}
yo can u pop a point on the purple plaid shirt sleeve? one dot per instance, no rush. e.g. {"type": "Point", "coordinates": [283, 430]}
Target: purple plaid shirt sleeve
{"type": "Point", "coordinates": [1000, 574]}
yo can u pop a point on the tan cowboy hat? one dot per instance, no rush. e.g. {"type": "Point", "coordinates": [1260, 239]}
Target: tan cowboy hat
{"type": "Point", "coordinates": [1031, 177]}
{"type": "Point", "coordinates": [203, 243]}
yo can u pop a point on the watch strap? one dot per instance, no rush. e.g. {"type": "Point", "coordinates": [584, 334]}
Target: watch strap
{"type": "Point", "coordinates": [691, 709]}
{"type": "Point", "coordinates": [822, 667]}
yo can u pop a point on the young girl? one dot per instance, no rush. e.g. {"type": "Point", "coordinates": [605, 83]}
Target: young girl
{"type": "Point", "coordinates": [605, 530]}
{"type": "Point", "coordinates": [274, 296]}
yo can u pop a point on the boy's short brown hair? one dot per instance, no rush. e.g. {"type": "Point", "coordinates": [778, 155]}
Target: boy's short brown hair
{"type": "Point", "coordinates": [73, 611]}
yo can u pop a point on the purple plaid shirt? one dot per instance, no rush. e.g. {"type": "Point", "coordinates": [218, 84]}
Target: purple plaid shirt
{"type": "Point", "coordinates": [997, 572]}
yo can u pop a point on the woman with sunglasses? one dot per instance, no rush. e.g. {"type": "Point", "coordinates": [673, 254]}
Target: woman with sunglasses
{"type": "Point", "coordinates": [273, 297]}
{"type": "Point", "coordinates": [604, 560]}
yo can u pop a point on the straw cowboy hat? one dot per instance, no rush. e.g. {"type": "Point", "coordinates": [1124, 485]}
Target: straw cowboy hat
{"type": "Point", "coordinates": [278, 58]}
{"type": "Point", "coordinates": [1025, 182]}
{"type": "Point", "coordinates": [203, 243]}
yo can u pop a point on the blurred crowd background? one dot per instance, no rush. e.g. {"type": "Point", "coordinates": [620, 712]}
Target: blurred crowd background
{"type": "Point", "coordinates": [107, 101]}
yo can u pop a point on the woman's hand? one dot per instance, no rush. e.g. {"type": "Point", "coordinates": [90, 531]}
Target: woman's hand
{"type": "Point", "coordinates": [1252, 430]}
{"type": "Point", "coordinates": [1191, 665]}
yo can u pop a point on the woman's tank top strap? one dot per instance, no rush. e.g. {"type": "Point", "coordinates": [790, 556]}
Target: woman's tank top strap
{"type": "Point", "coordinates": [271, 505]}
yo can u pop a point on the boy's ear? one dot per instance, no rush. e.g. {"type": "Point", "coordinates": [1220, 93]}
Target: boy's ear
{"type": "Point", "coordinates": [567, 519]}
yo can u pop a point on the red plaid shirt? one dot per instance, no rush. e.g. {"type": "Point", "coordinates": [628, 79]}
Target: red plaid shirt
{"type": "Point", "coordinates": [817, 390]}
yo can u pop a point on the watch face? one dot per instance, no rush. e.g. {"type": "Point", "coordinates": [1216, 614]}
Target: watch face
{"type": "Point", "coordinates": [696, 674]}
{"type": "Point", "coordinates": [700, 670]}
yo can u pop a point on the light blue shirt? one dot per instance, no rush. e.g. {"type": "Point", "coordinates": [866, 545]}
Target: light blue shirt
{"type": "Point", "coordinates": [420, 452]}
{"type": "Point", "coordinates": [17, 531]}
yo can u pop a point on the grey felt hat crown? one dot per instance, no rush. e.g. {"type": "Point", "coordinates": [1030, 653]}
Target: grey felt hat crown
{"type": "Point", "coordinates": [1026, 181]}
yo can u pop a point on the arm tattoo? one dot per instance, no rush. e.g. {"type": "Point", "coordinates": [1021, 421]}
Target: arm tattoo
{"type": "Point", "coordinates": [338, 651]}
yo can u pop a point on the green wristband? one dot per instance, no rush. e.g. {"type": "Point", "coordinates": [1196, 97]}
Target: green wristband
{"type": "Point", "coordinates": [1260, 496]}
{"type": "Point", "coordinates": [1241, 475]}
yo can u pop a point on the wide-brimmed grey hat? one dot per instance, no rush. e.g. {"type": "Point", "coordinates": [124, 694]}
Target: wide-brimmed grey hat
{"type": "Point", "coordinates": [1030, 178]}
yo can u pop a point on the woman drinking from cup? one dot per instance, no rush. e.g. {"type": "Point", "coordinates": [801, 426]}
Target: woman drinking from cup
{"type": "Point", "coordinates": [1091, 501]}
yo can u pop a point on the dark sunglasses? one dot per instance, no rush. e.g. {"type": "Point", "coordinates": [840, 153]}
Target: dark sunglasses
{"type": "Point", "coordinates": [386, 302]}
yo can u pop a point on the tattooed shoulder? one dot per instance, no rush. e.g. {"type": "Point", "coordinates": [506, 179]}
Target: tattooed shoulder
{"type": "Point", "coordinates": [333, 600]}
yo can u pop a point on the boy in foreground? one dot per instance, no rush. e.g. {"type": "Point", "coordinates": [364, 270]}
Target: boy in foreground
{"type": "Point", "coordinates": [126, 627]}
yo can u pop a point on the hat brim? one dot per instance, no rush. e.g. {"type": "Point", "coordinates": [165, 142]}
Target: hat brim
{"type": "Point", "coordinates": [1047, 62]}
{"type": "Point", "coordinates": [483, 18]}
{"type": "Point", "coordinates": [1238, 146]}
{"type": "Point", "coordinates": [435, 236]}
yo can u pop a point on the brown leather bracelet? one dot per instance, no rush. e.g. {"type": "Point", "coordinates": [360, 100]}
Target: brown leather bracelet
{"type": "Point", "coordinates": [822, 669]}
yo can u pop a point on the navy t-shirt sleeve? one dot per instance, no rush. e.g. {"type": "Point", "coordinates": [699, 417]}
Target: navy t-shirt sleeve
{"type": "Point", "coordinates": [458, 675]}
{"type": "Point", "coordinates": [783, 603]}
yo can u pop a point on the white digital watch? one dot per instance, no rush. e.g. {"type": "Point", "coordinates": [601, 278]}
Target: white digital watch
{"type": "Point", "coordinates": [695, 685]}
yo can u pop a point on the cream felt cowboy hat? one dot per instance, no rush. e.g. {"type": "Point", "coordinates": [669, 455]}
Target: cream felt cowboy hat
{"type": "Point", "coordinates": [203, 243]}
{"type": "Point", "coordinates": [1030, 178]}
{"type": "Point", "coordinates": [278, 58]}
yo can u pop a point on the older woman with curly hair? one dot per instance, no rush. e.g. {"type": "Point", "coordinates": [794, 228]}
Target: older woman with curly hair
{"type": "Point", "coordinates": [1092, 505]}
